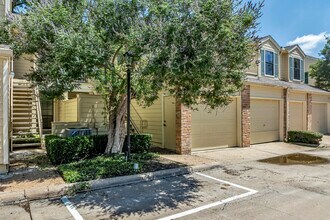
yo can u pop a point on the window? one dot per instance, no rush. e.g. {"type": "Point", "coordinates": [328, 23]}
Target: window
{"type": "Point", "coordinates": [296, 69]}
{"type": "Point", "coordinates": [269, 63]}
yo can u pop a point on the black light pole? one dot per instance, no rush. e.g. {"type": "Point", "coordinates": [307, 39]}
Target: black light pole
{"type": "Point", "coordinates": [128, 54]}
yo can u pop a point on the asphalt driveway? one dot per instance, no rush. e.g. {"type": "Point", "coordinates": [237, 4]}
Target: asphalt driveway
{"type": "Point", "coordinates": [243, 188]}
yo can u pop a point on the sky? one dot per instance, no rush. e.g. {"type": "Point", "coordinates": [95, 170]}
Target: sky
{"type": "Point", "coordinates": [303, 22]}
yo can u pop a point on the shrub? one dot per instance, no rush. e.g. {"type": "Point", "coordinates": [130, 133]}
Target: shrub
{"type": "Point", "coordinates": [140, 143]}
{"type": "Point", "coordinates": [103, 167]}
{"type": "Point", "coordinates": [69, 149]}
{"type": "Point", "coordinates": [308, 137]}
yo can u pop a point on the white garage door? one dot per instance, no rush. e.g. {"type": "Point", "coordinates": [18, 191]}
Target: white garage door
{"type": "Point", "coordinates": [215, 128]}
{"type": "Point", "coordinates": [319, 117]}
{"type": "Point", "coordinates": [296, 116]}
{"type": "Point", "coordinates": [265, 121]}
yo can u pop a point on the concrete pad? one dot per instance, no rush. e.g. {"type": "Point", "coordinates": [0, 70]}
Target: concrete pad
{"type": "Point", "coordinates": [153, 200]}
{"type": "Point", "coordinates": [49, 209]}
{"type": "Point", "coordinates": [280, 148]}
{"type": "Point", "coordinates": [6, 197]}
{"type": "Point", "coordinates": [235, 155]}
{"type": "Point", "coordinates": [17, 212]}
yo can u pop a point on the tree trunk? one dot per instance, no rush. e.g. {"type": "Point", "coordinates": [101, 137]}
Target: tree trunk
{"type": "Point", "coordinates": [116, 133]}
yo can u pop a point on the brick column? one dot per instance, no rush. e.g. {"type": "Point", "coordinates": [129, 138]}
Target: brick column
{"type": "Point", "coordinates": [309, 112]}
{"type": "Point", "coordinates": [246, 117]}
{"type": "Point", "coordinates": [183, 128]}
{"type": "Point", "coordinates": [286, 113]}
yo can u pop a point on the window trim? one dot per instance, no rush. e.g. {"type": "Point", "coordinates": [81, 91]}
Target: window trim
{"type": "Point", "coordinates": [265, 64]}
{"type": "Point", "coordinates": [295, 79]}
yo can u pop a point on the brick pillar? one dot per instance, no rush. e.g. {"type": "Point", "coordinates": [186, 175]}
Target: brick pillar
{"type": "Point", "coordinates": [286, 113]}
{"type": "Point", "coordinates": [309, 112]}
{"type": "Point", "coordinates": [246, 117]}
{"type": "Point", "coordinates": [183, 128]}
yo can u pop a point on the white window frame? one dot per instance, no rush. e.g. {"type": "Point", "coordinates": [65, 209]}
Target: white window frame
{"type": "Point", "coordinates": [295, 79]}
{"type": "Point", "coordinates": [265, 64]}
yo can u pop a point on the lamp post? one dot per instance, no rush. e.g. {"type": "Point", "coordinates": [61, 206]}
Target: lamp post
{"type": "Point", "coordinates": [129, 59]}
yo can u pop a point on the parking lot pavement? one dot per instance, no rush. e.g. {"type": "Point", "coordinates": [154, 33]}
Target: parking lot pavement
{"type": "Point", "coordinates": [281, 192]}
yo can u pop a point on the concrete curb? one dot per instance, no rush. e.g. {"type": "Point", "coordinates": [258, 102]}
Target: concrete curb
{"type": "Point", "coordinates": [55, 191]}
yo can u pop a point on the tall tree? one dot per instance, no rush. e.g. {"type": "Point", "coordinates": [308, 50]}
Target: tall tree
{"type": "Point", "coordinates": [195, 49]}
{"type": "Point", "coordinates": [320, 71]}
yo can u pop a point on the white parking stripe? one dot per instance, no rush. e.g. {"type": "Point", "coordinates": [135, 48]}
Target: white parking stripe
{"type": "Point", "coordinates": [201, 208]}
{"type": "Point", "coordinates": [226, 182]}
{"type": "Point", "coordinates": [71, 208]}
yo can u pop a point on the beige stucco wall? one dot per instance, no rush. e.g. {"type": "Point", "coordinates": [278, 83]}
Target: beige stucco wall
{"type": "Point", "coordinates": [253, 69]}
{"type": "Point", "coordinates": [297, 96]}
{"type": "Point", "coordinates": [67, 110]}
{"type": "Point", "coordinates": [91, 112]}
{"type": "Point", "coordinates": [266, 92]}
{"type": "Point", "coordinates": [308, 62]}
{"type": "Point", "coordinates": [5, 56]}
{"type": "Point", "coordinates": [151, 119]}
{"type": "Point", "coordinates": [284, 59]}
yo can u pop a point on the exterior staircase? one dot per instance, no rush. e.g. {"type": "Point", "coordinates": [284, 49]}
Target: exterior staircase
{"type": "Point", "coordinates": [26, 119]}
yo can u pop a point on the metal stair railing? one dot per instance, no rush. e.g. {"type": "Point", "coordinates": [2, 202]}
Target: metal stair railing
{"type": "Point", "coordinates": [39, 114]}
{"type": "Point", "coordinates": [137, 128]}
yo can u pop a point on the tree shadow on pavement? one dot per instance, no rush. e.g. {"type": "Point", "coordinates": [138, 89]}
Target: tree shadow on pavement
{"type": "Point", "coordinates": [137, 200]}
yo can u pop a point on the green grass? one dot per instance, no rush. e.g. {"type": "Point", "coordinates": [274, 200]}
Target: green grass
{"type": "Point", "coordinates": [103, 167]}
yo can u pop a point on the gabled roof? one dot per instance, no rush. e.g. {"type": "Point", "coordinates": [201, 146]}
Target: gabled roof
{"type": "Point", "coordinates": [293, 47]}
{"type": "Point", "coordinates": [271, 39]}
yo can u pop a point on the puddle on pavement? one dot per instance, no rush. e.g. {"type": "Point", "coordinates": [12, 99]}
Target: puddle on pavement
{"type": "Point", "coordinates": [292, 159]}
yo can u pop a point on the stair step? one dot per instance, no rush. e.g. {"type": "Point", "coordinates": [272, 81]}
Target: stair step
{"type": "Point", "coordinates": [24, 128]}
{"type": "Point", "coordinates": [24, 133]}
{"type": "Point", "coordinates": [25, 123]}
{"type": "Point", "coordinates": [22, 97]}
{"type": "Point", "coordinates": [22, 93]}
{"type": "Point", "coordinates": [22, 113]}
{"type": "Point", "coordinates": [24, 118]}
{"type": "Point", "coordinates": [20, 88]}
{"type": "Point", "coordinates": [22, 105]}
{"type": "Point", "coordinates": [22, 101]}
{"type": "Point", "coordinates": [21, 83]}
{"type": "Point", "coordinates": [36, 139]}
{"type": "Point", "coordinates": [27, 145]}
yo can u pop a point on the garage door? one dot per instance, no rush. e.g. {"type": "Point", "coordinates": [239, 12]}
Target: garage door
{"type": "Point", "coordinates": [215, 128]}
{"type": "Point", "coordinates": [296, 116]}
{"type": "Point", "coordinates": [264, 121]}
{"type": "Point", "coordinates": [319, 117]}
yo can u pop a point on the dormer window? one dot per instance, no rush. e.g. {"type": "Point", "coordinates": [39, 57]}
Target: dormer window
{"type": "Point", "coordinates": [296, 74]}
{"type": "Point", "coordinates": [269, 64]}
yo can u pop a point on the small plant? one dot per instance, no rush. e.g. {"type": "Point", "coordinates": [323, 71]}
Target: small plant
{"type": "Point", "coordinates": [103, 167]}
{"type": "Point", "coordinates": [308, 137]}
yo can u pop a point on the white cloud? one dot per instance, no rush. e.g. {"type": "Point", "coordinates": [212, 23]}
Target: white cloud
{"type": "Point", "coordinates": [309, 42]}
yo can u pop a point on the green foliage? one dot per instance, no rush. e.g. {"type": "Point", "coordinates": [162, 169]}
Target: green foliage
{"type": "Point", "coordinates": [320, 71]}
{"type": "Point", "coordinates": [140, 143]}
{"type": "Point", "coordinates": [102, 167]}
{"type": "Point", "coordinates": [66, 150]}
{"type": "Point", "coordinates": [308, 137]}
{"type": "Point", "coordinates": [196, 50]}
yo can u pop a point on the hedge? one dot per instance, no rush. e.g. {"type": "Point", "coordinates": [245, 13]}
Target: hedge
{"type": "Point", "coordinates": [308, 137]}
{"type": "Point", "coordinates": [140, 143]}
{"type": "Point", "coordinates": [69, 149]}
